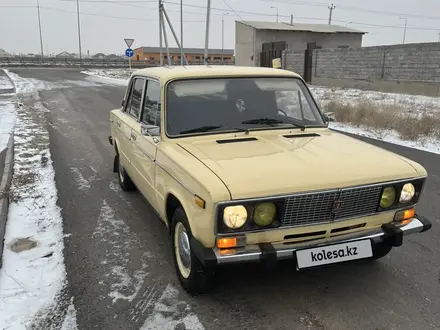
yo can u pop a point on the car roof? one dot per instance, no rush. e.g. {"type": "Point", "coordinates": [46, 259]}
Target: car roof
{"type": "Point", "coordinates": [166, 73]}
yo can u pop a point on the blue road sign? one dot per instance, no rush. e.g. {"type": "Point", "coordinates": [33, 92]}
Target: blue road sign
{"type": "Point", "coordinates": [129, 52]}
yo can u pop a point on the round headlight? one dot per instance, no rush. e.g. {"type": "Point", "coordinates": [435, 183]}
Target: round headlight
{"type": "Point", "coordinates": [388, 197]}
{"type": "Point", "coordinates": [264, 214]}
{"type": "Point", "coordinates": [235, 217]}
{"type": "Point", "coordinates": [407, 194]}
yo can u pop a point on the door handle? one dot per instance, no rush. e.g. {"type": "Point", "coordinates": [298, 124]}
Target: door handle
{"type": "Point", "coordinates": [118, 123]}
{"type": "Point", "coordinates": [133, 136]}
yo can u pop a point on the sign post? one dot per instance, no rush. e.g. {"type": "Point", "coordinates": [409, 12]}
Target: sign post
{"type": "Point", "coordinates": [129, 52]}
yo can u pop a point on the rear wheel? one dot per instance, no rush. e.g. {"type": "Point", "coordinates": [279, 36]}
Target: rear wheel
{"type": "Point", "coordinates": [124, 180]}
{"type": "Point", "coordinates": [193, 276]}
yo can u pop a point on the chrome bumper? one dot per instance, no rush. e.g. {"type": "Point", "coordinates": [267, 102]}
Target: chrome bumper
{"type": "Point", "coordinates": [388, 234]}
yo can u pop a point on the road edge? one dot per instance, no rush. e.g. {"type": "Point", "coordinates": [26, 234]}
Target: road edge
{"type": "Point", "coordinates": [7, 90]}
{"type": "Point", "coordinates": [4, 192]}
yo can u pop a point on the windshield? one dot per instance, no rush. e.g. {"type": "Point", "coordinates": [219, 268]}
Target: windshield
{"type": "Point", "coordinates": [237, 104]}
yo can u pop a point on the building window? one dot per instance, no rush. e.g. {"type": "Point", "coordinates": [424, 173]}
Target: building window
{"type": "Point", "coordinates": [343, 46]}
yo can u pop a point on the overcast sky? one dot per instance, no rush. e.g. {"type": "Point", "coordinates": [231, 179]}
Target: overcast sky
{"type": "Point", "coordinates": [105, 23]}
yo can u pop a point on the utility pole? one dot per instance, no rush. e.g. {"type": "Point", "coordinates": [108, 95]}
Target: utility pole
{"type": "Point", "coordinates": [79, 32]}
{"type": "Point", "coordinates": [208, 13]}
{"type": "Point", "coordinates": [181, 32]}
{"type": "Point", "coordinates": [164, 12]}
{"type": "Point", "coordinates": [330, 15]}
{"type": "Point", "coordinates": [165, 38]}
{"type": "Point", "coordinates": [39, 26]}
{"type": "Point", "coordinates": [223, 35]}
{"type": "Point", "coordinates": [291, 19]}
{"type": "Point", "coordinates": [160, 34]}
{"type": "Point", "coordinates": [277, 11]}
{"type": "Point", "coordinates": [404, 30]}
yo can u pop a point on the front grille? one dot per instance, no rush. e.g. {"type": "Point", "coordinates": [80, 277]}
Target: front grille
{"type": "Point", "coordinates": [320, 207]}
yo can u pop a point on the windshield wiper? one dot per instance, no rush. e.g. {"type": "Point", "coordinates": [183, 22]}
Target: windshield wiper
{"type": "Point", "coordinates": [208, 128]}
{"type": "Point", "coordinates": [271, 122]}
{"type": "Point", "coordinates": [201, 129]}
{"type": "Point", "coordinates": [263, 120]}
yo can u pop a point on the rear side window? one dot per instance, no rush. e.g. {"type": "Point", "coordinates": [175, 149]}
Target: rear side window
{"type": "Point", "coordinates": [151, 112]}
{"type": "Point", "coordinates": [134, 101]}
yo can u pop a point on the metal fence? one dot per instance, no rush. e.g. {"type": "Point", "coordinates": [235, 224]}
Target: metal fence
{"type": "Point", "coordinates": [87, 62]}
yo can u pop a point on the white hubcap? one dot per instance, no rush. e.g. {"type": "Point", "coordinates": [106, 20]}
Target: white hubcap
{"type": "Point", "coordinates": [182, 250]}
{"type": "Point", "coordinates": [121, 172]}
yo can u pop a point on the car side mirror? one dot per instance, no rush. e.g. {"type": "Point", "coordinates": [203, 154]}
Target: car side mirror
{"type": "Point", "coordinates": [328, 117]}
{"type": "Point", "coordinates": [151, 131]}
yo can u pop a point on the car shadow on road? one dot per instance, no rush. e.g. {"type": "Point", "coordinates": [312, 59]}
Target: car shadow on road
{"type": "Point", "coordinates": [285, 279]}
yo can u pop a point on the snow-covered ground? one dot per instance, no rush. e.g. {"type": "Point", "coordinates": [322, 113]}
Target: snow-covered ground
{"type": "Point", "coordinates": [5, 83]}
{"type": "Point", "coordinates": [7, 121]}
{"type": "Point", "coordinates": [404, 105]}
{"type": "Point", "coordinates": [116, 75]}
{"type": "Point", "coordinates": [33, 281]}
{"type": "Point", "coordinates": [410, 105]}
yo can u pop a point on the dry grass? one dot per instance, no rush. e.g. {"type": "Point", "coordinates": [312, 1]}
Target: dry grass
{"type": "Point", "coordinates": [386, 117]}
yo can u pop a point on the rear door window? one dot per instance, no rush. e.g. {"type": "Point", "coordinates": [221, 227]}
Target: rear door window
{"type": "Point", "coordinates": [151, 111]}
{"type": "Point", "coordinates": [135, 98]}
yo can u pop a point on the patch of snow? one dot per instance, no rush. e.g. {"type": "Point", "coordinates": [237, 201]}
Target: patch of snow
{"type": "Point", "coordinates": [32, 281]}
{"type": "Point", "coordinates": [5, 82]}
{"type": "Point", "coordinates": [387, 136]}
{"type": "Point", "coordinates": [69, 322]}
{"type": "Point", "coordinates": [83, 184]}
{"type": "Point", "coordinates": [109, 76]}
{"type": "Point", "coordinates": [111, 230]}
{"type": "Point", "coordinates": [7, 122]}
{"type": "Point", "coordinates": [117, 189]}
{"type": "Point", "coordinates": [23, 86]}
{"type": "Point", "coordinates": [411, 105]}
{"type": "Point", "coordinates": [169, 312]}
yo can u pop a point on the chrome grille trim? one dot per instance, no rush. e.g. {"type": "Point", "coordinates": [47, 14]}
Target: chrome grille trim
{"type": "Point", "coordinates": [317, 208]}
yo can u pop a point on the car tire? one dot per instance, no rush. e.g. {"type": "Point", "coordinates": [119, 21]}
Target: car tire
{"type": "Point", "coordinates": [123, 178]}
{"type": "Point", "coordinates": [380, 250]}
{"type": "Point", "coordinates": [193, 276]}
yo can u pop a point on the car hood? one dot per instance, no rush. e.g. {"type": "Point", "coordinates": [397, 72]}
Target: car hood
{"type": "Point", "coordinates": [275, 164]}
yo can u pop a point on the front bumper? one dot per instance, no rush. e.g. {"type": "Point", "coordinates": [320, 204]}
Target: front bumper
{"type": "Point", "coordinates": [267, 252]}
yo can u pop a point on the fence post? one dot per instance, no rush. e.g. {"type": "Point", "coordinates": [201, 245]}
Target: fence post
{"type": "Point", "coordinates": [382, 75]}
{"type": "Point", "coordinates": [308, 62]}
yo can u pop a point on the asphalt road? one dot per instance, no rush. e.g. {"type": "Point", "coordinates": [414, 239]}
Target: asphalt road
{"type": "Point", "coordinates": [119, 261]}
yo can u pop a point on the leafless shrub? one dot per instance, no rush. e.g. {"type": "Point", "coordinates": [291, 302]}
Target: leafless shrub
{"type": "Point", "coordinates": [387, 117]}
{"type": "Point", "coordinates": [416, 129]}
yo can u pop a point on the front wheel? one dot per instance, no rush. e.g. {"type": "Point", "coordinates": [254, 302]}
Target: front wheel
{"type": "Point", "coordinates": [193, 276]}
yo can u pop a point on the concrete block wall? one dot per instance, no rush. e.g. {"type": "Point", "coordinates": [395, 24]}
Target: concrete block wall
{"type": "Point", "coordinates": [293, 61]}
{"type": "Point", "coordinates": [410, 62]}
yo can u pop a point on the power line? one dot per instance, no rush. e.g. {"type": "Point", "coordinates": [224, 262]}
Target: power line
{"type": "Point", "coordinates": [353, 8]}
{"type": "Point", "coordinates": [248, 13]}
{"type": "Point", "coordinates": [17, 6]}
{"type": "Point", "coordinates": [107, 16]}
{"type": "Point", "coordinates": [233, 10]}
{"type": "Point", "coordinates": [289, 2]}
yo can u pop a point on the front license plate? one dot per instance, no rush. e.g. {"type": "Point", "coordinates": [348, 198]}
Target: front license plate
{"type": "Point", "coordinates": [330, 254]}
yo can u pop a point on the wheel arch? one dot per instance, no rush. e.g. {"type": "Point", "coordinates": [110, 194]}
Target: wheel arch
{"type": "Point", "coordinates": [172, 202]}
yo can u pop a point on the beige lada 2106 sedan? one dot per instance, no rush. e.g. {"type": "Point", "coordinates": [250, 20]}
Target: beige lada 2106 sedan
{"type": "Point", "coordinates": [240, 166]}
